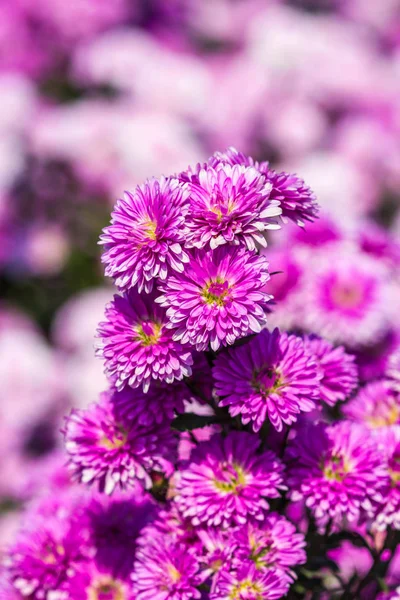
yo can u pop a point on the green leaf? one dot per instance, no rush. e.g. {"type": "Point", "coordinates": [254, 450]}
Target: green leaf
{"type": "Point", "coordinates": [189, 421]}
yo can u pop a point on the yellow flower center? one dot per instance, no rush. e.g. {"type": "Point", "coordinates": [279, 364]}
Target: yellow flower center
{"type": "Point", "coordinates": [390, 417]}
{"type": "Point", "coordinates": [148, 333]}
{"type": "Point", "coordinates": [117, 440]}
{"type": "Point", "coordinates": [346, 295]}
{"type": "Point", "coordinates": [335, 468]}
{"type": "Point", "coordinates": [216, 292]}
{"type": "Point", "coordinates": [149, 228]}
{"type": "Point", "coordinates": [246, 586]}
{"type": "Point", "coordinates": [106, 588]}
{"type": "Point", "coordinates": [231, 478]}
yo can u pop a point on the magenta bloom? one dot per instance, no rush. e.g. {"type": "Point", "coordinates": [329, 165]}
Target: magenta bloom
{"type": "Point", "coordinates": [272, 377]}
{"type": "Point", "coordinates": [230, 205]}
{"type": "Point", "coordinates": [295, 198]}
{"type": "Point", "coordinates": [107, 446]}
{"type": "Point", "coordinates": [227, 481]}
{"type": "Point", "coordinates": [137, 346]}
{"type": "Point", "coordinates": [218, 299]}
{"type": "Point", "coordinates": [337, 470]}
{"type": "Point", "coordinates": [389, 513]}
{"type": "Point", "coordinates": [377, 406]}
{"type": "Point", "coordinates": [145, 239]}
{"type": "Point", "coordinates": [273, 545]}
{"type": "Point", "coordinates": [165, 570]}
{"type": "Point", "coordinates": [248, 583]}
{"type": "Point", "coordinates": [91, 581]}
{"type": "Point", "coordinates": [338, 369]}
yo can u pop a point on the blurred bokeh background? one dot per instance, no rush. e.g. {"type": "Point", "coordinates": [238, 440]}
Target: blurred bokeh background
{"type": "Point", "coordinates": [97, 95]}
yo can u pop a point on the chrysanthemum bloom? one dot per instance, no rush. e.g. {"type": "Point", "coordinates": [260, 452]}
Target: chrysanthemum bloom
{"type": "Point", "coordinates": [136, 344]}
{"type": "Point", "coordinates": [338, 369]}
{"type": "Point", "coordinates": [272, 377]}
{"type": "Point", "coordinates": [227, 481]}
{"type": "Point", "coordinates": [377, 406]}
{"type": "Point", "coordinates": [145, 239]}
{"type": "Point", "coordinates": [250, 584]}
{"type": "Point", "coordinates": [218, 299]}
{"type": "Point", "coordinates": [230, 205]}
{"type": "Point", "coordinates": [273, 545]}
{"type": "Point", "coordinates": [94, 582]}
{"type": "Point", "coordinates": [347, 297]}
{"type": "Point", "coordinates": [338, 471]}
{"type": "Point", "coordinates": [107, 446]}
{"type": "Point", "coordinates": [295, 198]}
{"type": "Point", "coordinates": [165, 570]}
{"type": "Point", "coordinates": [389, 513]}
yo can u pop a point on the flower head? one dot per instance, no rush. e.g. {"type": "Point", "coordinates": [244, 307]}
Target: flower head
{"type": "Point", "coordinates": [230, 204]}
{"type": "Point", "coordinates": [248, 583]}
{"type": "Point", "coordinates": [165, 570]}
{"type": "Point", "coordinates": [95, 582]}
{"type": "Point", "coordinates": [218, 299]}
{"type": "Point", "coordinates": [338, 369]}
{"type": "Point", "coordinates": [136, 344]}
{"type": "Point", "coordinates": [145, 239]}
{"type": "Point", "coordinates": [337, 470]}
{"type": "Point", "coordinates": [295, 198]}
{"type": "Point", "coordinates": [377, 406]}
{"type": "Point", "coordinates": [389, 513]}
{"type": "Point", "coordinates": [108, 446]}
{"type": "Point", "coordinates": [272, 377]}
{"type": "Point", "coordinates": [226, 481]}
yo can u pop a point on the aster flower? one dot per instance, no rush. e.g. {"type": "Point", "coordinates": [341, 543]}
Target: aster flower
{"type": "Point", "coordinates": [347, 296]}
{"type": "Point", "coordinates": [337, 470]}
{"type": "Point", "coordinates": [295, 198]}
{"type": "Point", "coordinates": [273, 545]}
{"type": "Point", "coordinates": [272, 377]}
{"type": "Point", "coordinates": [218, 299]}
{"type": "Point", "coordinates": [165, 570]}
{"type": "Point", "coordinates": [145, 239]}
{"type": "Point", "coordinates": [230, 205]}
{"type": "Point", "coordinates": [338, 369]}
{"type": "Point", "coordinates": [227, 481]}
{"type": "Point", "coordinates": [389, 513]}
{"type": "Point", "coordinates": [377, 406]}
{"type": "Point", "coordinates": [91, 581]}
{"type": "Point", "coordinates": [136, 344]}
{"type": "Point", "coordinates": [107, 446]}
{"type": "Point", "coordinates": [249, 584]}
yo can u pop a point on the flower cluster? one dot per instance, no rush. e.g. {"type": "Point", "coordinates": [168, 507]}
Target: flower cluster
{"type": "Point", "coordinates": [229, 457]}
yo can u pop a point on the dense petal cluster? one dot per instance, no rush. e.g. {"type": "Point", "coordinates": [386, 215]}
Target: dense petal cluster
{"type": "Point", "coordinates": [337, 470]}
{"type": "Point", "coordinates": [377, 406]}
{"type": "Point", "coordinates": [137, 345]}
{"type": "Point", "coordinates": [109, 447]}
{"type": "Point", "coordinates": [272, 378]}
{"type": "Point", "coordinates": [226, 481]}
{"type": "Point", "coordinates": [218, 299]}
{"type": "Point", "coordinates": [145, 239]}
{"type": "Point", "coordinates": [247, 582]}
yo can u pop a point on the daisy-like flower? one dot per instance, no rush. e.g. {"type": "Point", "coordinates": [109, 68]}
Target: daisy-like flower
{"type": "Point", "coordinates": [95, 582]}
{"type": "Point", "coordinates": [145, 239]}
{"type": "Point", "coordinates": [165, 570]}
{"type": "Point", "coordinates": [389, 513]}
{"type": "Point", "coordinates": [248, 583]}
{"type": "Point", "coordinates": [272, 377]}
{"type": "Point", "coordinates": [377, 406]}
{"type": "Point", "coordinates": [227, 481]}
{"type": "Point", "coordinates": [338, 369]}
{"type": "Point", "coordinates": [296, 200]}
{"type": "Point", "coordinates": [338, 471]}
{"type": "Point", "coordinates": [107, 446]}
{"type": "Point", "coordinates": [348, 296]}
{"type": "Point", "coordinates": [218, 299]}
{"type": "Point", "coordinates": [230, 205]}
{"type": "Point", "coordinates": [273, 545]}
{"type": "Point", "coordinates": [136, 344]}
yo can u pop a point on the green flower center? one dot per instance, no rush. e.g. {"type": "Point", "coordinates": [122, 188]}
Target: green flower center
{"type": "Point", "coordinates": [335, 468]}
{"type": "Point", "coordinates": [231, 478]}
{"type": "Point", "coordinates": [148, 333]}
{"type": "Point", "coordinates": [216, 292]}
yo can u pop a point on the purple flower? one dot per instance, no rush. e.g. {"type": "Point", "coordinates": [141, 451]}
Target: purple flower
{"type": "Point", "coordinates": [136, 344]}
{"type": "Point", "coordinates": [108, 446]}
{"type": "Point", "coordinates": [218, 299]}
{"type": "Point", "coordinates": [389, 513]}
{"type": "Point", "coordinates": [295, 198]}
{"type": "Point", "coordinates": [145, 238]}
{"type": "Point", "coordinates": [272, 377]}
{"type": "Point", "coordinates": [227, 481]}
{"type": "Point", "coordinates": [338, 369]}
{"type": "Point", "coordinates": [92, 581]}
{"type": "Point", "coordinates": [377, 406]}
{"type": "Point", "coordinates": [337, 470]}
{"type": "Point", "coordinates": [248, 583]}
{"type": "Point", "coordinates": [165, 570]}
{"type": "Point", "coordinates": [159, 404]}
{"type": "Point", "coordinates": [273, 545]}
{"type": "Point", "coordinates": [230, 205]}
